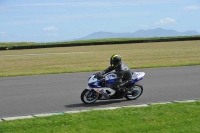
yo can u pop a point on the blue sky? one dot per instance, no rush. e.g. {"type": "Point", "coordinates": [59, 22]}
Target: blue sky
{"type": "Point", "coordinates": [58, 20]}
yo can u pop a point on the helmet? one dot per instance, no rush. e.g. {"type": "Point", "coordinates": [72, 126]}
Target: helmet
{"type": "Point", "coordinates": [115, 60]}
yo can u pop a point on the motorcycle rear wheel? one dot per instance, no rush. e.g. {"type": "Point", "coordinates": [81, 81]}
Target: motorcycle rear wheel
{"type": "Point", "coordinates": [137, 90]}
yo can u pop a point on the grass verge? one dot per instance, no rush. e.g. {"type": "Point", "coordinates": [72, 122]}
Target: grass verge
{"type": "Point", "coordinates": [168, 118]}
{"type": "Point", "coordinates": [95, 58]}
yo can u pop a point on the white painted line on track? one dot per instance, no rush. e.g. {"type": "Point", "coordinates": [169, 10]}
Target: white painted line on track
{"type": "Point", "coordinates": [141, 105]}
{"type": "Point", "coordinates": [187, 101]}
{"type": "Point", "coordinates": [109, 108]}
{"type": "Point", "coordinates": [70, 112]}
{"type": "Point", "coordinates": [48, 114]}
{"type": "Point", "coordinates": [85, 110]}
{"type": "Point", "coordinates": [160, 103]}
{"type": "Point", "coordinates": [17, 117]}
{"type": "Point", "coordinates": [79, 111]}
{"type": "Point", "coordinates": [44, 54]}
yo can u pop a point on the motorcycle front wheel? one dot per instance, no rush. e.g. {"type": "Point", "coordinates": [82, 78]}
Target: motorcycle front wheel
{"type": "Point", "coordinates": [88, 96]}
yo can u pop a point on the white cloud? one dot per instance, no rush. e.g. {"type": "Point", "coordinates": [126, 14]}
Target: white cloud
{"type": "Point", "coordinates": [51, 28]}
{"type": "Point", "coordinates": [3, 33]}
{"type": "Point", "coordinates": [192, 8]}
{"type": "Point", "coordinates": [166, 21]}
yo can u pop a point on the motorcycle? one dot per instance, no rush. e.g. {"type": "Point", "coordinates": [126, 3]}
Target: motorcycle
{"type": "Point", "coordinates": [96, 89]}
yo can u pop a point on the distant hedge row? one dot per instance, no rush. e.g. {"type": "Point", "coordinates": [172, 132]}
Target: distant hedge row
{"type": "Point", "coordinates": [97, 42]}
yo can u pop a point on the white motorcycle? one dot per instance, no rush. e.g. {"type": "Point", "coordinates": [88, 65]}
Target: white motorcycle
{"type": "Point", "coordinates": [96, 90]}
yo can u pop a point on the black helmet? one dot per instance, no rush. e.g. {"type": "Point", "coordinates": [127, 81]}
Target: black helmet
{"type": "Point", "coordinates": [115, 60]}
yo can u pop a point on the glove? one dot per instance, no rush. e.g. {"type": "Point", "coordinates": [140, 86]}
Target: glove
{"type": "Point", "coordinates": [102, 72]}
{"type": "Point", "coordinates": [99, 76]}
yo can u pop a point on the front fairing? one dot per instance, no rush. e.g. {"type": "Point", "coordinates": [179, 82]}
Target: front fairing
{"type": "Point", "coordinates": [93, 82]}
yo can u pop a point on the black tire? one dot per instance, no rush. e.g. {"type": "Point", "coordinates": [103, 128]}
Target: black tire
{"type": "Point", "coordinates": [88, 100]}
{"type": "Point", "coordinates": [137, 90]}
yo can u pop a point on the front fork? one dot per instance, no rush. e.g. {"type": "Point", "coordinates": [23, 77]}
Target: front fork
{"type": "Point", "coordinates": [92, 92]}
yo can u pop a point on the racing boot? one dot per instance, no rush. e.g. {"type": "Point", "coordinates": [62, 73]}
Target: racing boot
{"type": "Point", "coordinates": [122, 92]}
{"type": "Point", "coordinates": [122, 88]}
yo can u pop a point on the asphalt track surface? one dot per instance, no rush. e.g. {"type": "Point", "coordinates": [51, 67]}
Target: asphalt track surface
{"type": "Point", "coordinates": [30, 95]}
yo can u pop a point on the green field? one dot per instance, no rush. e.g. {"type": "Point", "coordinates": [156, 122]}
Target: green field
{"type": "Point", "coordinates": [95, 58]}
{"type": "Point", "coordinates": [168, 118]}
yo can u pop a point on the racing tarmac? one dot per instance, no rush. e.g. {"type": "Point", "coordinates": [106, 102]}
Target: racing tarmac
{"type": "Point", "coordinates": [29, 95]}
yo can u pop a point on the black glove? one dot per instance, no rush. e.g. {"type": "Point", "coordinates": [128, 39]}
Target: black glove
{"type": "Point", "coordinates": [99, 76]}
{"type": "Point", "coordinates": [100, 73]}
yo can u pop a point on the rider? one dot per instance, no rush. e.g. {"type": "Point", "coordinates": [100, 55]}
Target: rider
{"type": "Point", "coordinates": [124, 74]}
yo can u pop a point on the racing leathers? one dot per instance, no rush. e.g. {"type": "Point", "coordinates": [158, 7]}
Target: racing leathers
{"type": "Point", "coordinates": [124, 76]}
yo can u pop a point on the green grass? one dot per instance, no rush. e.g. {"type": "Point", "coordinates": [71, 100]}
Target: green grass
{"type": "Point", "coordinates": [95, 58]}
{"type": "Point", "coordinates": [169, 118]}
